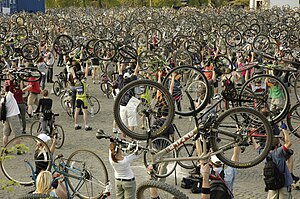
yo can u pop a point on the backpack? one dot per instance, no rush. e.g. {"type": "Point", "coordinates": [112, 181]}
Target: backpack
{"type": "Point", "coordinates": [274, 179]}
{"type": "Point", "coordinates": [3, 110]}
{"type": "Point", "coordinates": [218, 188]}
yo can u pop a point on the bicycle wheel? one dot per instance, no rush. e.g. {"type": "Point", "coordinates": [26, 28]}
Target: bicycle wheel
{"type": "Point", "coordinates": [63, 44]}
{"type": "Point", "coordinates": [18, 161]}
{"type": "Point", "coordinates": [142, 99]}
{"type": "Point", "coordinates": [163, 169]}
{"type": "Point", "coordinates": [293, 120]}
{"type": "Point", "coordinates": [57, 88]}
{"type": "Point", "coordinates": [29, 74]}
{"type": "Point", "coordinates": [37, 196]}
{"type": "Point", "coordinates": [186, 76]}
{"type": "Point", "coordinates": [187, 150]}
{"type": "Point", "coordinates": [90, 174]}
{"type": "Point", "coordinates": [106, 88]}
{"type": "Point", "coordinates": [30, 51]}
{"type": "Point", "coordinates": [269, 93]}
{"type": "Point", "coordinates": [151, 189]}
{"type": "Point", "coordinates": [297, 87]}
{"type": "Point", "coordinates": [241, 127]}
{"type": "Point", "coordinates": [105, 49]}
{"type": "Point", "coordinates": [93, 104]}
{"type": "Point", "coordinates": [36, 128]}
{"type": "Point", "coordinates": [60, 135]}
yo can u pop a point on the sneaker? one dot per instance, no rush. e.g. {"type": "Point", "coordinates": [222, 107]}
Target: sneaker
{"type": "Point", "coordinates": [88, 128]}
{"type": "Point", "coordinates": [115, 132]}
{"type": "Point", "coordinates": [217, 96]}
{"type": "Point", "coordinates": [77, 127]}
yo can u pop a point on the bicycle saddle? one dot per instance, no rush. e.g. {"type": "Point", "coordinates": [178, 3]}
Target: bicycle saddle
{"type": "Point", "coordinates": [100, 134]}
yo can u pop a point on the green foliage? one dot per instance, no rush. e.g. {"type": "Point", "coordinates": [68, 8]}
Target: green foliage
{"type": "Point", "coordinates": [8, 185]}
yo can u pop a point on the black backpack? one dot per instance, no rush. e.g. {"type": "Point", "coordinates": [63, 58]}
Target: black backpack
{"type": "Point", "coordinates": [274, 179]}
{"type": "Point", "coordinates": [3, 110]}
{"type": "Point", "coordinates": [218, 188]}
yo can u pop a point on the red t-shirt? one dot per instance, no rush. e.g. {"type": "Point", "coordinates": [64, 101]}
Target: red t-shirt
{"type": "Point", "coordinates": [35, 86]}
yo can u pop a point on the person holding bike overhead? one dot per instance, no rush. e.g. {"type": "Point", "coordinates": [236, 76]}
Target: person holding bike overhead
{"type": "Point", "coordinates": [45, 105]}
{"type": "Point", "coordinates": [80, 79]}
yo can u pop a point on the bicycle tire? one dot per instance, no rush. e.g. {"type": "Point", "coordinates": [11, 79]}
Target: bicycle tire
{"type": "Point", "coordinates": [107, 91]}
{"type": "Point", "coordinates": [95, 165]}
{"type": "Point", "coordinates": [26, 73]}
{"type": "Point", "coordinates": [155, 97]}
{"type": "Point", "coordinates": [67, 46]}
{"type": "Point", "coordinates": [108, 45]}
{"type": "Point", "coordinates": [142, 188]}
{"type": "Point", "coordinates": [36, 128]}
{"type": "Point", "coordinates": [163, 169]}
{"type": "Point", "coordinates": [12, 164]}
{"type": "Point", "coordinates": [57, 88]}
{"type": "Point", "coordinates": [192, 74]}
{"type": "Point", "coordinates": [93, 101]}
{"type": "Point", "coordinates": [297, 87]}
{"type": "Point", "coordinates": [30, 51]}
{"type": "Point", "coordinates": [228, 126]}
{"type": "Point", "coordinates": [37, 196]}
{"type": "Point", "coordinates": [293, 119]}
{"type": "Point", "coordinates": [274, 115]}
{"type": "Point", "coordinates": [187, 150]}
{"type": "Point", "coordinates": [60, 135]}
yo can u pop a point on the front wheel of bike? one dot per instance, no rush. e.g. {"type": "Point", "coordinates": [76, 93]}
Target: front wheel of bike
{"type": "Point", "coordinates": [29, 74]}
{"type": "Point", "coordinates": [293, 120]}
{"type": "Point", "coordinates": [60, 135]}
{"type": "Point", "coordinates": [36, 128]}
{"type": "Point", "coordinates": [57, 88]}
{"type": "Point", "coordinates": [18, 161]}
{"type": "Point", "coordinates": [94, 105]}
{"type": "Point", "coordinates": [90, 174]}
{"type": "Point", "coordinates": [153, 189]}
{"type": "Point", "coordinates": [241, 130]}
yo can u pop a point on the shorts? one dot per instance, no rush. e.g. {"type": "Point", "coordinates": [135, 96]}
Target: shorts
{"type": "Point", "coordinates": [33, 99]}
{"type": "Point", "coordinates": [12, 124]}
{"type": "Point", "coordinates": [81, 103]}
{"type": "Point", "coordinates": [128, 117]}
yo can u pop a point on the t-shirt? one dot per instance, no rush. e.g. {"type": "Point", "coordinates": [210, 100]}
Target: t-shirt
{"type": "Point", "coordinates": [122, 168]}
{"type": "Point", "coordinates": [275, 92]}
{"type": "Point", "coordinates": [208, 74]}
{"type": "Point", "coordinates": [42, 159]}
{"type": "Point", "coordinates": [12, 108]}
{"type": "Point", "coordinates": [46, 105]}
{"type": "Point", "coordinates": [80, 89]}
{"type": "Point", "coordinates": [279, 156]}
{"type": "Point", "coordinates": [35, 86]}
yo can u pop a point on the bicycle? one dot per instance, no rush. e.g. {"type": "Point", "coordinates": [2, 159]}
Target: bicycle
{"type": "Point", "coordinates": [234, 127]}
{"type": "Point", "coordinates": [82, 178]}
{"type": "Point", "coordinates": [60, 84]}
{"type": "Point", "coordinates": [54, 129]}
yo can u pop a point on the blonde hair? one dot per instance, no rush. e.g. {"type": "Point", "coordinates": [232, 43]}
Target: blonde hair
{"type": "Point", "coordinates": [43, 182]}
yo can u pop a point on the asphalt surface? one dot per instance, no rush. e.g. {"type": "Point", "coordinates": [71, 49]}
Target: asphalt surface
{"type": "Point", "coordinates": [248, 185]}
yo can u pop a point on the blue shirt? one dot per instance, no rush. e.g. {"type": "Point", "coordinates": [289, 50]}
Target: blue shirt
{"type": "Point", "coordinates": [279, 158]}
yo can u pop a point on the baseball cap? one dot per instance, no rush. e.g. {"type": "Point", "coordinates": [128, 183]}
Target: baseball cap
{"type": "Point", "coordinates": [44, 137]}
{"type": "Point", "coordinates": [215, 160]}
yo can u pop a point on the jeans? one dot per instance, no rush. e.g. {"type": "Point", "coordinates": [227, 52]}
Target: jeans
{"type": "Point", "coordinates": [43, 82]}
{"type": "Point", "coordinates": [22, 108]}
{"type": "Point", "coordinates": [50, 74]}
{"type": "Point", "coordinates": [45, 124]}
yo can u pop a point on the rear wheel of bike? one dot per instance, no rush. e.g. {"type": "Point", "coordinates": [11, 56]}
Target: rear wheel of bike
{"type": "Point", "coordinates": [30, 51]}
{"type": "Point", "coordinates": [187, 150]}
{"type": "Point", "coordinates": [186, 76]}
{"type": "Point", "coordinates": [57, 88]}
{"type": "Point", "coordinates": [17, 159]}
{"type": "Point", "coordinates": [93, 104]}
{"type": "Point", "coordinates": [144, 99]}
{"type": "Point", "coordinates": [163, 169]}
{"type": "Point", "coordinates": [63, 44]}
{"type": "Point", "coordinates": [90, 171]}
{"type": "Point", "coordinates": [33, 73]}
{"type": "Point", "coordinates": [36, 128]}
{"type": "Point", "coordinates": [60, 135]}
{"type": "Point", "coordinates": [243, 127]}
{"type": "Point", "coordinates": [293, 120]}
{"type": "Point", "coordinates": [268, 93]}
{"type": "Point", "coordinates": [152, 189]}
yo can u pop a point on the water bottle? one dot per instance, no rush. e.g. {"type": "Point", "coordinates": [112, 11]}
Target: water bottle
{"type": "Point", "coordinates": [92, 111]}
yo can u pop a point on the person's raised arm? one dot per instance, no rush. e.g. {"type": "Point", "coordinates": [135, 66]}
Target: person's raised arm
{"type": "Point", "coordinates": [137, 69]}
{"type": "Point", "coordinates": [52, 148]}
{"type": "Point", "coordinates": [287, 139]}
{"type": "Point", "coordinates": [205, 168]}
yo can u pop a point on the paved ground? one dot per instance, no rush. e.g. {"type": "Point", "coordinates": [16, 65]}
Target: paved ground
{"type": "Point", "coordinates": [249, 182]}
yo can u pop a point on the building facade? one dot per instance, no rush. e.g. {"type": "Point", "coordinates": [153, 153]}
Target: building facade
{"type": "Point", "coordinates": [12, 6]}
{"type": "Point", "coordinates": [264, 4]}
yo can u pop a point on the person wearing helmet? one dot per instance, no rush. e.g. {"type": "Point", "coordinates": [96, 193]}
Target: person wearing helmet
{"type": "Point", "coordinates": [81, 96]}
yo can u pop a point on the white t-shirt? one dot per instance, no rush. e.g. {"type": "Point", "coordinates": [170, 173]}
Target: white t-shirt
{"type": "Point", "coordinates": [12, 108]}
{"type": "Point", "coordinates": [122, 168]}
